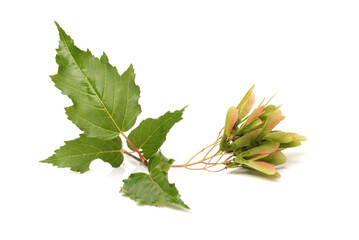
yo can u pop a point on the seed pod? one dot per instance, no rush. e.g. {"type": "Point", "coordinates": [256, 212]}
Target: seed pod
{"type": "Point", "coordinates": [256, 112]}
{"type": "Point", "coordinates": [263, 167]}
{"type": "Point", "coordinates": [246, 139]}
{"type": "Point", "coordinates": [271, 122]}
{"type": "Point", "coordinates": [258, 157]}
{"type": "Point", "coordinates": [278, 136]}
{"type": "Point", "coordinates": [224, 145]}
{"type": "Point", "coordinates": [267, 112]}
{"type": "Point", "coordinates": [246, 104]}
{"type": "Point", "coordinates": [253, 125]}
{"type": "Point", "coordinates": [231, 119]}
{"type": "Point", "coordinates": [239, 159]}
{"type": "Point", "coordinates": [233, 165]}
{"type": "Point", "coordinates": [266, 148]}
{"type": "Point", "coordinates": [297, 137]}
{"type": "Point", "coordinates": [290, 144]}
{"type": "Point", "coordinates": [275, 158]}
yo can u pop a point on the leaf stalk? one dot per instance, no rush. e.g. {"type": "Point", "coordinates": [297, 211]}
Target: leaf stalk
{"type": "Point", "coordinates": [142, 158]}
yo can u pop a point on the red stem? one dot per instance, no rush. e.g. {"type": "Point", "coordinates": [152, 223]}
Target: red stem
{"type": "Point", "coordinates": [134, 148]}
{"type": "Point", "coordinates": [134, 157]}
{"type": "Point", "coordinates": [182, 165]}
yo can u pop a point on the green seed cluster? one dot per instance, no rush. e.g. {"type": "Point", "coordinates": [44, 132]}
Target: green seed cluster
{"type": "Point", "coordinates": [252, 140]}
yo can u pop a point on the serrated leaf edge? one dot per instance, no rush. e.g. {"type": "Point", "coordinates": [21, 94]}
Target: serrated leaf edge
{"type": "Point", "coordinates": [61, 32]}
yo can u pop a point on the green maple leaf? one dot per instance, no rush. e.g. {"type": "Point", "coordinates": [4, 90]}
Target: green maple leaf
{"type": "Point", "coordinates": [153, 188]}
{"type": "Point", "coordinates": [79, 153]}
{"type": "Point", "coordinates": [151, 133]}
{"type": "Point", "coordinates": [105, 103]}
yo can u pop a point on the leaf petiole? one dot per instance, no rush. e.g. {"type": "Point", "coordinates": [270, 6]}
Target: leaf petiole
{"type": "Point", "coordinates": [142, 158]}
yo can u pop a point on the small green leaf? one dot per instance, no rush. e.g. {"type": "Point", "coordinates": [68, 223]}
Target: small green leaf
{"type": "Point", "coordinates": [105, 103]}
{"type": "Point", "coordinates": [151, 133]}
{"type": "Point", "coordinates": [79, 153]}
{"type": "Point", "coordinates": [153, 188]}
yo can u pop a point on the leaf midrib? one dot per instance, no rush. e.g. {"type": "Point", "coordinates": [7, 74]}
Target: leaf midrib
{"type": "Point", "coordinates": [84, 154]}
{"type": "Point", "coordinates": [88, 81]}
{"type": "Point", "coordinates": [173, 198]}
{"type": "Point", "coordinates": [156, 131]}
{"type": "Point", "coordinates": [126, 105]}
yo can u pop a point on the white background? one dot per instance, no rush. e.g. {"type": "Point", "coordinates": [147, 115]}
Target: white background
{"type": "Point", "coordinates": [206, 54]}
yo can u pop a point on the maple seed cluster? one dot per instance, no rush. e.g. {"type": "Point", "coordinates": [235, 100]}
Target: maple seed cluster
{"type": "Point", "coordinates": [252, 140]}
